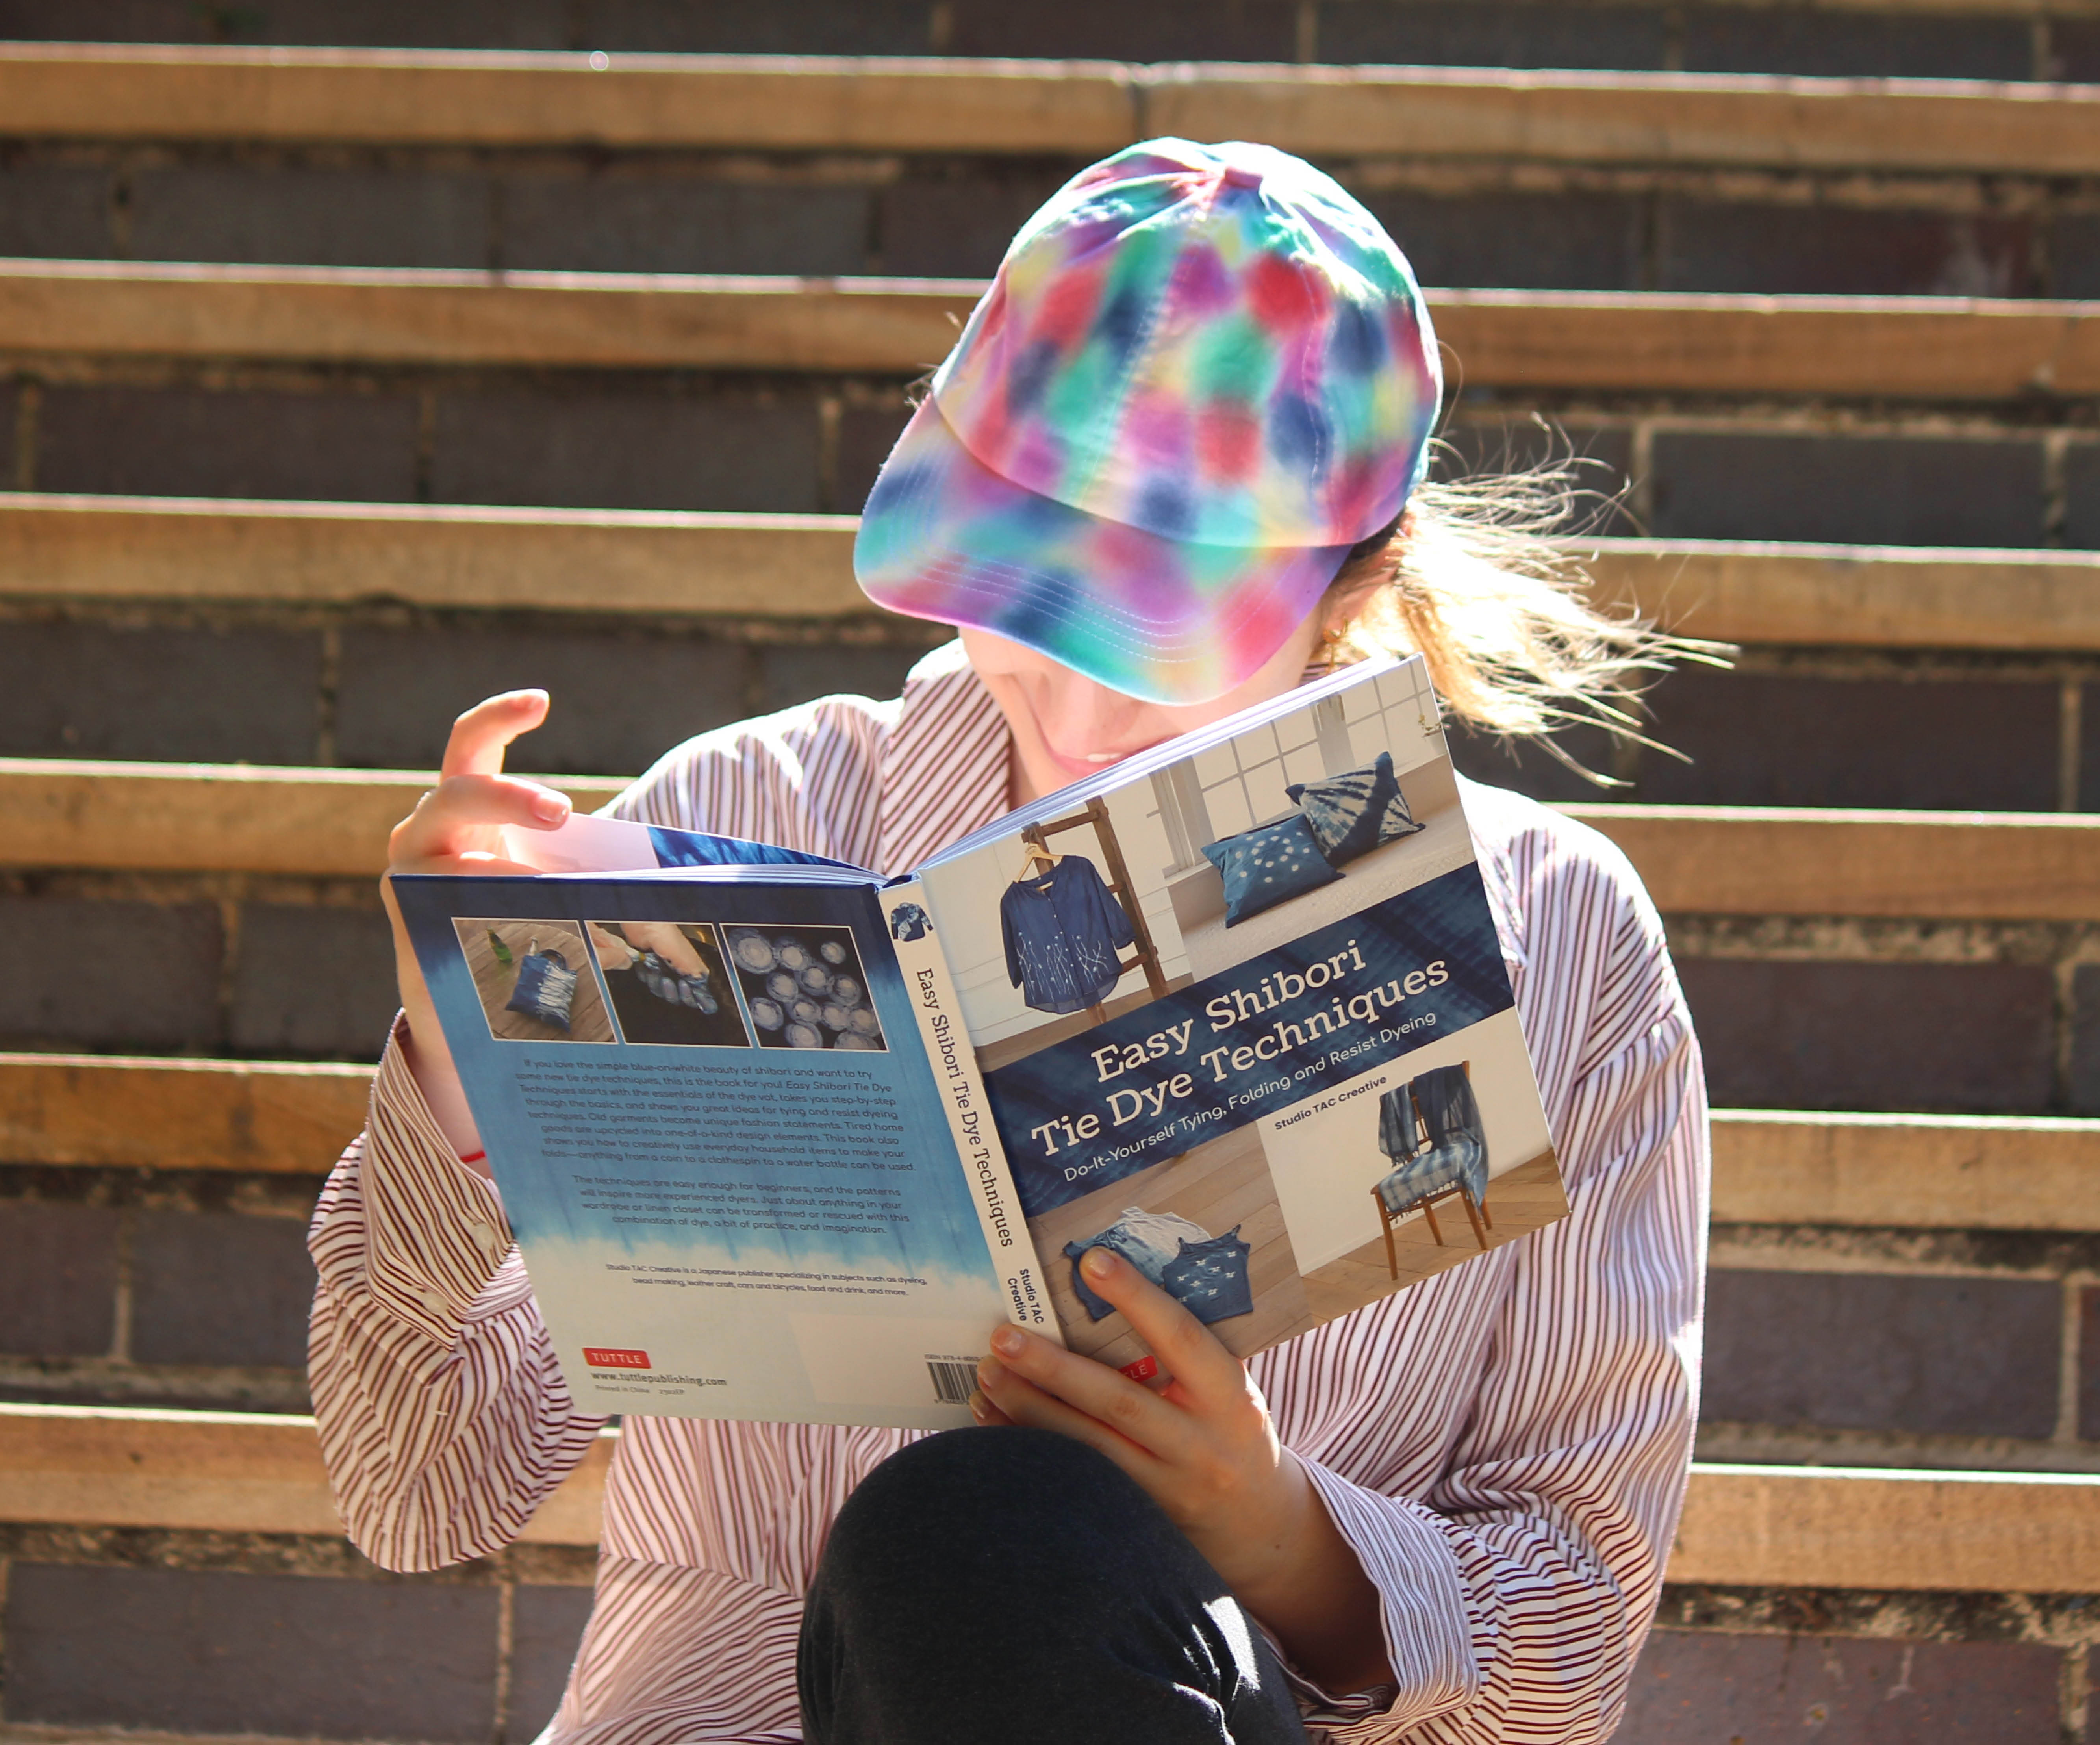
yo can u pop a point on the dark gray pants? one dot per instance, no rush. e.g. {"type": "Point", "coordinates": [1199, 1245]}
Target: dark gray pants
{"type": "Point", "coordinates": [1012, 1586]}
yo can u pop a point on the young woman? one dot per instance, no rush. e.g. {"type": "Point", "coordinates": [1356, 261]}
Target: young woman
{"type": "Point", "coordinates": [1174, 461]}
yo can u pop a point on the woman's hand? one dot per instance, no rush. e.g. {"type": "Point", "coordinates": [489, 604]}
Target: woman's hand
{"type": "Point", "coordinates": [457, 828]}
{"type": "Point", "coordinates": [1205, 1449]}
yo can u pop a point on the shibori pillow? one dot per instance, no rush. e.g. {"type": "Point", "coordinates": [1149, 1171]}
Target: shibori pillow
{"type": "Point", "coordinates": [1355, 812]}
{"type": "Point", "coordinates": [1264, 867]}
{"type": "Point", "coordinates": [546, 988]}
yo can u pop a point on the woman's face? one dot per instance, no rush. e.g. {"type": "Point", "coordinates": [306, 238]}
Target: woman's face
{"type": "Point", "coordinates": [1067, 728]}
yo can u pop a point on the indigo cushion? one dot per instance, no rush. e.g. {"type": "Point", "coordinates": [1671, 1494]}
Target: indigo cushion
{"type": "Point", "coordinates": [1355, 812]}
{"type": "Point", "coordinates": [1264, 867]}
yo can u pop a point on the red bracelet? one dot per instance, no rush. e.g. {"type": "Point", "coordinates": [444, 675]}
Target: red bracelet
{"type": "Point", "coordinates": [474, 1157]}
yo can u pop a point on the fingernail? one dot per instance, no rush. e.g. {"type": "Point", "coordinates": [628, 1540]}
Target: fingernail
{"type": "Point", "coordinates": [987, 1373]}
{"type": "Point", "coordinates": [1100, 1262]}
{"type": "Point", "coordinates": [980, 1407]}
{"type": "Point", "coordinates": [1008, 1340]}
{"type": "Point", "coordinates": [553, 807]}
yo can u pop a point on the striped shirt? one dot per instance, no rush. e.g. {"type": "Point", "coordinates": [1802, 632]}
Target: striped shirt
{"type": "Point", "coordinates": [1504, 1445]}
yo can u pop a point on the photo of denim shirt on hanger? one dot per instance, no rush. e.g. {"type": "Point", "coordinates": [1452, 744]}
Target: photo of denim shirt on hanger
{"type": "Point", "coordinates": [1063, 931]}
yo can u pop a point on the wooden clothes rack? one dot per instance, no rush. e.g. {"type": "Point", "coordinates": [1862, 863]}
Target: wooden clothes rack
{"type": "Point", "coordinates": [1145, 954]}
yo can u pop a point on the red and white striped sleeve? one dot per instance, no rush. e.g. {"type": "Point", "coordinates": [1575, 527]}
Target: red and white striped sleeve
{"type": "Point", "coordinates": [444, 1418]}
{"type": "Point", "coordinates": [1519, 1585]}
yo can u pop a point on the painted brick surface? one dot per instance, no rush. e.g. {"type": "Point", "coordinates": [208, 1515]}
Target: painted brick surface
{"type": "Point", "coordinates": [1529, 769]}
{"type": "Point", "coordinates": [957, 225]}
{"type": "Point", "coordinates": [2085, 1040]}
{"type": "Point", "coordinates": [207, 1651]}
{"type": "Point", "coordinates": [190, 442]}
{"type": "Point", "coordinates": [1866, 1351]}
{"type": "Point", "coordinates": [2081, 492]}
{"type": "Point", "coordinates": [89, 690]}
{"type": "Point", "coordinates": [2088, 1363]}
{"type": "Point", "coordinates": [58, 1279]}
{"type": "Point", "coordinates": [547, 1624]}
{"type": "Point", "coordinates": [1786, 1035]}
{"type": "Point", "coordinates": [2074, 254]}
{"type": "Point", "coordinates": [2075, 45]}
{"type": "Point", "coordinates": [1870, 490]}
{"type": "Point", "coordinates": [110, 974]}
{"type": "Point", "coordinates": [57, 211]}
{"type": "Point", "coordinates": [1776, 739]}
{"type": "Point", "coordinates": [621, 699]}
{"type": "Point", "coordinates": [1589, 242]}
{"type": "Point", "coordinates": [1698, 1685]}
{"type": "Point", "coordinates": [1489, 34]}
{"type": "Point", "coordinates": [102, 21]}
{"type": "Point", "coordinates": [1601, 461]}
{"type": "Point", "coordinates": [790, 675]}
{"type": "Point", "coordinates": [312, 981]}
{"type": "Point", "coordinates": [218, 1287]}
{"type": "Point", "coordinates": [1112, 30]}
{"type": "Point", "coordinates": [1840, 250]}
{"type": "Point", "coordinates": [665, 224]}
{"type": "Point", "coordinates": [721, 27]}
{"type": "Point", "coordinates": [596, 449]}
{"type": "Point", "coordinates": [388, 24]}
{"type": "Point", "coordinates": [1834, 44]}
{"type": "Point", "coordinates": [867, 434]}
{"type": "Point", "coordinates": [309, 216]}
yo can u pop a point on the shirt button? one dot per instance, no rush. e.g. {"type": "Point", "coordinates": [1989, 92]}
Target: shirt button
{"type": "Point", "coordinates": [433, 1300]}
{"type": "Point", "coordinates": [484, 1236]}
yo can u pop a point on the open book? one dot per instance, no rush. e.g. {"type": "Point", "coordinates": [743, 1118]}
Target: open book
{"type": "Point", "coordinates": [782, 1139]}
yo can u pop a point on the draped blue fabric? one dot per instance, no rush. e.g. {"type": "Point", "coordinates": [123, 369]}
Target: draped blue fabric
{"type": "Point", "coordinates": [1430, 1129]}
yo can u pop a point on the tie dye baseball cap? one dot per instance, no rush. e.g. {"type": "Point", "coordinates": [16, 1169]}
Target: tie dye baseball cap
{"type": "Point", "coordinates": [1202, 373]}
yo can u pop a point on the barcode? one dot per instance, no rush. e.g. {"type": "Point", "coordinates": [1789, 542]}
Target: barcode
{"type": "Point", "coordinates": [953, 1383]}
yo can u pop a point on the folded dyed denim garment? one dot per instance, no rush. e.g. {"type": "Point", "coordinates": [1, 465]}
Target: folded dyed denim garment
{"type": "Point", "coordinates": [546, 988]}
{"type": "Point", "coordinates": [673, 986]}
{"type": "Point", "coordinates": [1150, 1241]}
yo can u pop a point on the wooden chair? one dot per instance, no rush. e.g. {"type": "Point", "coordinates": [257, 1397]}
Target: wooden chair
{"type": "Point", "coordinates": [1476, 1211]}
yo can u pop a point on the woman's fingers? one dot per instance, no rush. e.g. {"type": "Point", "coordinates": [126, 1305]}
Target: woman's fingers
{"type": "Point", "coordinates": [1188, 1350]}
{"type": "Point", "coordinates": [1109, 1399]}
{"type": "Point", "coordinates": [462, 814]}
{"type": "Point", "coordinates": [664, 937]}
{"type": "Point", "coordinates": [481, 735]}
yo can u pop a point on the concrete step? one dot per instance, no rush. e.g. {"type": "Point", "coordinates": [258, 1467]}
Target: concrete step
{"type": "Point", "coordinates": [1911, 1172]}
{"type": "Point", "coordinates": [59, 547]}
{"type": "Point", "coordinates": [1708, 860]}
{"type": "Point", "coordinates": [1924, 347]}
{"type": "Point", "coordinates": [1743, 1526]}
{"type": "Point", "coordinates": [527, 99]}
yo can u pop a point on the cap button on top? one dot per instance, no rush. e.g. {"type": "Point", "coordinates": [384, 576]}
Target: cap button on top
{"type": "Point", "coordinates": [1239, 175]}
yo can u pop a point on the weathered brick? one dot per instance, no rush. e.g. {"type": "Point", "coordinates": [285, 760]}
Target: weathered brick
{"type": "Point", "coordinates": [1110, 30]}
{"type": "Point", "coordinates": [1826, 42]}
{"type": "Point", "coordinates": [2075, 47]}
{"type": "Point", "coordinates": [188, 442]}
{"type": "Point", "coordinates": [2088, 1363]}
{"type": "Point", "coordinates": [1842, 250]}
{"type": "Point", "coordinates": [1779, 738]}
{"type": "Point", "coordinates": [2073, 249]}
{"type": "Point", "coordinates": [9, 405]}
{"type": "Point", "coordinates": [789, 675]}
{"type": "Point", "coordinates": [867, 434]}
{"type": "Point", "coordinates": [621, 699]}
{"type": "Point", "coordinates": [219, 1288]}
{"type": "Point", "coordinates": [547, 1624]}
{"type": "Point", "coordinates": [605, 224]}
{"type": "Point", "coordinates": [1870, 490]}
{"type": "Point", "coordinates": [1840, 1691]}
{"type": "Point", "coordinates": [1956, 1036]}
{"type": "Point", "coordinates": [312, 981]}
{"type": "Point", "coordinates": [110, 974]}
{"type": "Point", "coordinates": [58, 1279]}
{"type": "Point", "coordinates": [1490, 33]}
{"type": "Point", "coordinates": [597, 449]}
{"type": "Point", "coordinates": [210, 1651]}
{"type": "Point", "coordinates": [396, 23]}
{"type": "Point", "coordinates": [58, 211]}
{"type": "Point", "coordinates": [724, 27]}
{"type": "Point", "coordinates": [957, 225]}
{"type": "Point", "coordinates": [1865, 1351]}
{"type": "Point", "coordinates": [308, 216]}
{"type": "Point", "coordinates": [88, 690]}
{"type": "Point", "coordinates": [1586, 242]}
{"type": "Point", "coordinates": [2081, 494]}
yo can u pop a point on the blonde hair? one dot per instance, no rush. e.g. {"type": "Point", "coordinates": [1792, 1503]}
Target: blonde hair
{"type": "Point", "coordinates": [1472, 578]}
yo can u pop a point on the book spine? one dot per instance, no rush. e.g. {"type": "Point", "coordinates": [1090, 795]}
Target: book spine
{"type": "Point", "coordinates": [978, 1148]}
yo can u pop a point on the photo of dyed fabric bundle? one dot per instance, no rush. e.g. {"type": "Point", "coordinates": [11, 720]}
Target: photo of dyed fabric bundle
{"type": "Point", "coordinates": [533, 980]}
{"type": "Point", "coordinates": [804, 987]}
{"type": "Point", "coordinates": [668, 984]}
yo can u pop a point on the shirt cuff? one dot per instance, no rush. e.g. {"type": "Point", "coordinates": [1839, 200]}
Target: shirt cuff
{"type": "Point", "coordinates": [1423, 1611]}
{"type": "Point", "coordinates": [436, 1236]}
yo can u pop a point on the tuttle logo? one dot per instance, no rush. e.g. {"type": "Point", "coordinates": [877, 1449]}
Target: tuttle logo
{"type": "Point", "coordinates": [599, 1358]}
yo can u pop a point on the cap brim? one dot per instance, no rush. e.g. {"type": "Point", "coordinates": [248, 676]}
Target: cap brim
{"type": "Point", "coordinates": [945, 538]}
